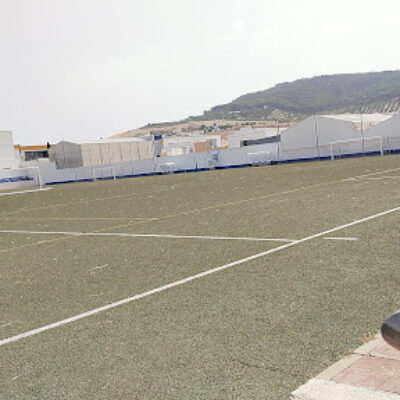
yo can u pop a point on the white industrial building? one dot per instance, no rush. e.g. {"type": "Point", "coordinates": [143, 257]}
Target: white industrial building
{"type": "Point", "coordinates": [389, 130]}
{"type": "Point", "coordinates": [100, 152]}
{"type": "Point", "coordinates": [317, 135]}
{"type": "Point", "coordinates": [248, 136]}
{"type": "Point", "coordinates": [178, 145]}
{"type": "Point", "coordinates": [7, 153]}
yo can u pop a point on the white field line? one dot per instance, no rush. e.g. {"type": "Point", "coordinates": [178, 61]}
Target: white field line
{"type": "Point", "coordinates": [99, 267]}
{"type": "Point", "coordinates": [353, 178]}
{"type": "Point", "coordinates": [341, 238]}
{"type": "Point", "coordinates": [180, 282]}
{"type": "Point", "coordinates": [147, 235]}
{"type": "Point", "coordinates": [375, 178]}
{"type": "Point", "coordinates": [25, 191]}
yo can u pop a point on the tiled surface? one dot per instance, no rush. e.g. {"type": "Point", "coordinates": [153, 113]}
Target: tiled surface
{"type": "Point", "coordinates": [373, 372]}
{"type": "Point", "coordinates": [384, 350]}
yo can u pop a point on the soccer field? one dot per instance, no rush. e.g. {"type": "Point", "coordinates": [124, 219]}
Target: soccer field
{"type": "Point", "coordinates": [226, 284]}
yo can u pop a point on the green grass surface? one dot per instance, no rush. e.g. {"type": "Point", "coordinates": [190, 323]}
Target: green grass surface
{"type": "Point", "coordinates": [255, 331]}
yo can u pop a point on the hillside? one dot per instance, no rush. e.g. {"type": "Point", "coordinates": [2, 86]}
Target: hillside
{"type": "Point", "coordinates": [374, 92]}
{"type": "Point", "coordinates": [345, 93]}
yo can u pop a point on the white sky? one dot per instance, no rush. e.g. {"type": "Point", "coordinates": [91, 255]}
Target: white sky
{"type": "Point", "coordinates": [89, 68]}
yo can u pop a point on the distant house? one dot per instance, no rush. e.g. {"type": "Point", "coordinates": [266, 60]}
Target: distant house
{"type": "Point", "coordinates": [31, 153]}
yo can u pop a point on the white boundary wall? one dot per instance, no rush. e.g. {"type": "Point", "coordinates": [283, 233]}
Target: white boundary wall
{"type": "Point", "coordinates": [208, 160]}
{"type": "Point", "coordinates": [183, 163]}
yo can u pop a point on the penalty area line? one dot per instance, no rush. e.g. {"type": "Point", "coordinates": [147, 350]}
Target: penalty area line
{"type": "Point", "coordinates": [188, 279]}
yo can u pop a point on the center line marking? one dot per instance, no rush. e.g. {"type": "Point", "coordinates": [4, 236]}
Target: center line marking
{"type": "Point", "coordinates": [148, 235]}
{"type": "Point", "coordinates": [180, 282]}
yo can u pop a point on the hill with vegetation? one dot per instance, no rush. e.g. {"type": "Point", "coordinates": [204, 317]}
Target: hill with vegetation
{"type": "Point", "coordinates": [328, 94]}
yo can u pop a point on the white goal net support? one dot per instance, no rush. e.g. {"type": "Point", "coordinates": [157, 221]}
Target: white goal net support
{"type": "Point", "coordinates": [341, 148]}
{"type": "Point", "coordinates": [21, 177]}
{"type": "Point", "coordinates": [260, 158]}
{"type": "Point", "coordinates": [103, 173]}
{"type": "Point", "coordinates": [166, 168]}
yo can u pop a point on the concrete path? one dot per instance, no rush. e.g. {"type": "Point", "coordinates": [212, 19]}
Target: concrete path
{"type": "Point", "coordinates": [372, 372]}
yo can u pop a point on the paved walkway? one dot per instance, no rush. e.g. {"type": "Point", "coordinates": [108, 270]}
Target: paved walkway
{"type": "Point", "coordinates": [372, 372]}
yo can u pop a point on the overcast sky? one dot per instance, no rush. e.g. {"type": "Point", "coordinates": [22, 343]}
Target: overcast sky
{"type": "Point", "coordinates": [77, 69]}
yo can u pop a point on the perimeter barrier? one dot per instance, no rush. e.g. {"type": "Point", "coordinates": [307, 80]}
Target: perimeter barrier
{"type": "Point", "coordinates": [269, 153]}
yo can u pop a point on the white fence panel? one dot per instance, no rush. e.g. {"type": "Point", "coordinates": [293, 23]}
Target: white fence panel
{"type": "Point", "coordinates": [184, 162]}
{"type": "Point", "coordinates": [51, 174]}
{"type": "Point", "coordinates": [201, 160]}
{"type": "Point", "coordinates": [232, 157]}
{"type": "Point", "coordinates": [123, 169]}
{"type": "Point", "coordinates": [298, 154]}
{"type": "Point", "coordinates": [266, 153]}
{"type": "Point", "coordinates": [143, 167]}
{"type": "Point", "coordinates": [83, 173]}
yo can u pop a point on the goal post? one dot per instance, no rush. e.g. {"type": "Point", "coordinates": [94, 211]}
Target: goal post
{"type": "Point", "coordinates": [22, 177]}
{"type": "Point", "coordinates": [364, 145]}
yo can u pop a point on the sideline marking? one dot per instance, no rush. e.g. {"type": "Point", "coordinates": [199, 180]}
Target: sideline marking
{"type": "Point", "coordinates": [341, 238]}
{"type": "Point", "coordinates": [146, 235]}
{"type": "Point", "coordinates": [98, 310]}
{"type": "Point", "coordinates": [25, 191]}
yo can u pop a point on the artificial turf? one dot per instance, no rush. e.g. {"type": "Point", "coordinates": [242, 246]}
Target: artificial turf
{"type": "Point", "coordinates": [255, 331]}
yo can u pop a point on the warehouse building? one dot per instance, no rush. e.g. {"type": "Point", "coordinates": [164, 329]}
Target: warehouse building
{"type": "Point", "coordinates": [389, 130]}
{"type": "Point", "coordinates": [100, 152]}
{"type": "Point", "coordinates": [252, 136]}
{"type": "Point", "coordinates": [316, 135]}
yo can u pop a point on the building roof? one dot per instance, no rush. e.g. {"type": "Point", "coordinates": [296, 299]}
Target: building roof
{"type": "Point", "coordinates": [102, 141]}
{"type": "Point", "coordinates": [368, 120]}
{"type": "Point", "coordinates": [35, 147]}
{"type": "Point", "coordinates": [255, 132]}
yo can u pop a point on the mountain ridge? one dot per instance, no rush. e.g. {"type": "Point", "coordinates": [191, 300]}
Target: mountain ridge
{"type": "Point", "coordinates": [330, 94]}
